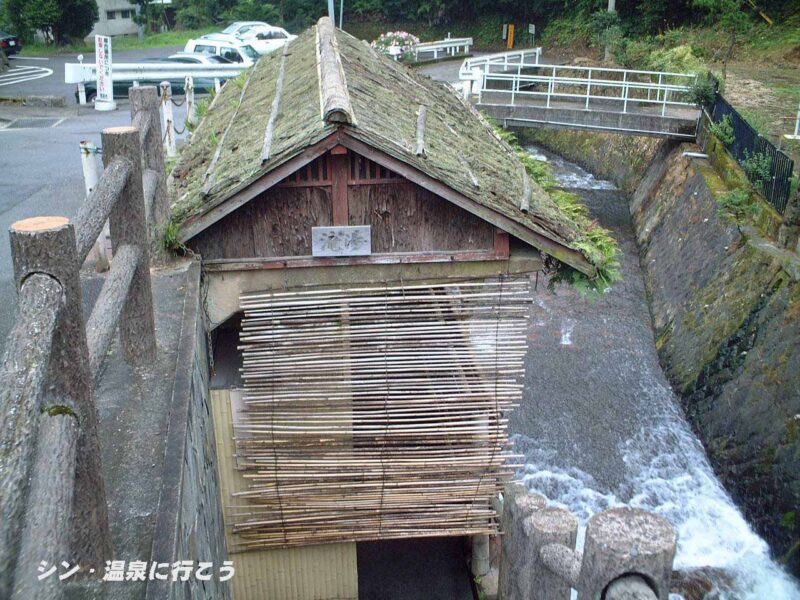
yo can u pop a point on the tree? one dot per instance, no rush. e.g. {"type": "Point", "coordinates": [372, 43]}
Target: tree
{"type": "Point", "coordinates": [60, 21]}
{"type": "Point", "coordinates": [729, 16]}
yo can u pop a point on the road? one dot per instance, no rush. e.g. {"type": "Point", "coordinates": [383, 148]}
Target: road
{"type": "Point", "coordinates": [40, 168]}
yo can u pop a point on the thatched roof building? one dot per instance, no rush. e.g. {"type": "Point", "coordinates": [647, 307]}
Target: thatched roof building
{"type": "Point", "coordinates": [329, 89]}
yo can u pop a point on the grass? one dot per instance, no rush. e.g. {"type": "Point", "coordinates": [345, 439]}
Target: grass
{"type": "Point", "coordinates": [120, 43]}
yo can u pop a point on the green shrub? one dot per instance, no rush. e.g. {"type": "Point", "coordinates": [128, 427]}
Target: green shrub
{"type": "Point", "coordinates": [737, 204]}
{"type": "Point", "coordinates": [758, 168]}
{"type": "Point", "coordinates": [723, 130]}
{"type": "Point", "coordinates": [703, 90]}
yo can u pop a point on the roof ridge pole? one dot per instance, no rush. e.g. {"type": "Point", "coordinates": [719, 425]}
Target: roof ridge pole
{"type": "Point", "coordinates": [334, 97]}
{"type": "Point", "coordinates": [266, 149]}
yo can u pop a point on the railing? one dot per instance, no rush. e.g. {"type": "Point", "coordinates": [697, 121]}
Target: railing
{"type": "Point", "coordinates": [53, 504]}
{"type": "Point", "coordinates": [589, 87]}
{"type": "Point", "coordinates": [501, 62]}
{"type": "Point", "coordinates": [749, 143]}
{"type": "Point", "coordinates": [627, 553]}
{"type": "Point", "coordinates": [154, 73]}
{"type": "Point", "coordinates": [450, 46]}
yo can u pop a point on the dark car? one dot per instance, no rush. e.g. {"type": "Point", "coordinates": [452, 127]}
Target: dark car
{"type": "Point", "coordinates": [202, 85]}
{"type": "Point", "coordinates": [10, 44]}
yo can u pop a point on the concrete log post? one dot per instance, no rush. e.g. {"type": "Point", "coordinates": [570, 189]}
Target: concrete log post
{"type": "Point", "coordinates": [516, 557]}
{"type": "Point", "coordinates": [23, 381]}
{"type": "Point", "coordinates": [128, 226]}
{"type": "Point", "coordinates": [623, 542]}
{"type": "Point", "coordinates": [631, 587]}
{"type": "Point", "coordinates": [144, 101]}
{"type": "Point", "coordinates": [480, 555]}
{"type": "Point", "coordinates": [47, 245]}
{"type": "Point", "coordinates": [789, 232]}
{"type": "Point", "coordinates": [553, 526]}
{"type": "Point", "coordinates": [46, 535]}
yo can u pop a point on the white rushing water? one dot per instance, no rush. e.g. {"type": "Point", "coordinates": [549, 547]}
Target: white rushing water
{"type": "Point", "coordinates": [665, 471]}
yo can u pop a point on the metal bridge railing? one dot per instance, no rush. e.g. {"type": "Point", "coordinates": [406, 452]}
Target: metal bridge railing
{"type": "Point", "coordinates": [590, 87]}
{"type": "Point", "coordinates": [53, 501]}
{"type": "Point", "coordinates": [500, 62]}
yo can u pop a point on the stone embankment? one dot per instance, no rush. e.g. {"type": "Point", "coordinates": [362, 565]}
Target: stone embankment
{"type": "Point", "coordinates": [725, 304]}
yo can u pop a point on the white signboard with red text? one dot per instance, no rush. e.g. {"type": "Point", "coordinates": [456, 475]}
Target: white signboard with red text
{"type": "Point", "coordinates": [105, 81]}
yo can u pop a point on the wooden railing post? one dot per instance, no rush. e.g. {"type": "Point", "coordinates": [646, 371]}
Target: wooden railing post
{"type": "Point", "coordinates": [144, 102]}
{"type": "Point", "coordinates": [47, 245]}
{"type": "Point", "coordinates": [128, 226]}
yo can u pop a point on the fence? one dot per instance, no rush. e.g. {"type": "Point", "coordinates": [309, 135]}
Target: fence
{"type": "Point", "coordinates": [627, 553]}
{"type": "Point", "coordinates": [450, 47]}
{"type": "Point", "coordinates": [606, 89]}
{"type": "Point", "coordinates": [748, 143]}
{"type": "Point", "coordinates": [501, 61]}
{"type": "Point", "coordinates": [53, 503]}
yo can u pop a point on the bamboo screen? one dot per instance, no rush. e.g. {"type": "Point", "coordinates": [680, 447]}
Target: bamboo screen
{"type": "Point", "coordinates": [377, 413]}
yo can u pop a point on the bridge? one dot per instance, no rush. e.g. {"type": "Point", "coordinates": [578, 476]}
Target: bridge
{"type": "Point", "coordinates": [517, 90]}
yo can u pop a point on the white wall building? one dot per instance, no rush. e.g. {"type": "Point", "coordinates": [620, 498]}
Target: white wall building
{"type": "Point", "coordinates": [116, 17]}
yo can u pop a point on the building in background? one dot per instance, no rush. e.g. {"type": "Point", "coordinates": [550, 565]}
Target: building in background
{"type": "Point", "coordinates": [116, 17]}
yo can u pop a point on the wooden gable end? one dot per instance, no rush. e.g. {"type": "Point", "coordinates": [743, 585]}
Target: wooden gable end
{"type": "Point", "coordinates": [338, 188]}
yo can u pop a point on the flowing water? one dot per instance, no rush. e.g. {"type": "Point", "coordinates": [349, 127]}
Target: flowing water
{"type": "Point", "coordinates": [600, 427]}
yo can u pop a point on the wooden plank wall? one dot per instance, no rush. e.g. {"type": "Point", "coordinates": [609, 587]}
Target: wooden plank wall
{"type": "Point", "coordinates": [404, 218]}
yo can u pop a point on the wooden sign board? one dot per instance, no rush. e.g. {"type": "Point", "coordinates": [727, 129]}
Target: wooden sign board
{"type": "Point", "coordinates": [341, 241]}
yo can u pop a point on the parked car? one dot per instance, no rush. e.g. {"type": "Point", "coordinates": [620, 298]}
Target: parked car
{"type": "Point", "coordinates": [223, 45]}
{"type": "Point", "coordinates": [266, 38]}
{"type": "Point", "coordinates": [201, 84]}
{"type": "Point", "coordinates": [10, 44]}
{"type": "Point", "coordinates": [239, 28]}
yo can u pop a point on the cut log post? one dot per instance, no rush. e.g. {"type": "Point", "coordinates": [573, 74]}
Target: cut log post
{"type": "Point", "coordinates": [516, 559]}
{"type": "Point", "coordinates": [23, 379]}
{"type": "Point", "coordinates": [480, 555]}
{"type": "Point", "coordinates": [47, 245]}
{"type": "Point", "coordinates": [144, 101]}
{"type": "Point", "coordinates": [625, 541]}
{"type": "Point", "coordinates": [136, 325]}
{"type": "Point", "coordinates": [547, 527]}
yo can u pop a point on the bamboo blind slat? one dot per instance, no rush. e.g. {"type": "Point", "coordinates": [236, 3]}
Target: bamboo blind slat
{"type": "Point", "coordinates": [377, 412]}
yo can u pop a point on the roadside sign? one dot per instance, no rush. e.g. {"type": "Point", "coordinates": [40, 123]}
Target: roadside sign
{"type": "Point", "coordinates": [105, 82]}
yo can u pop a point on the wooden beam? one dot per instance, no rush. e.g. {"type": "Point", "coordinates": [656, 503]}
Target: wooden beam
{"type": "Point", "coordinates": [502, 244]}
{"type": "Point", "coordinates": [525, 201]}
{"type": "Point", "coordinates": [276, 102]}
{"type": "Point", "coordinates": [250, 189]}
{"type": "Point", "coordinates": [209, 177]}
{"type": "Point", "coordinates": [340, 167]}
{"type": "Point", "coordinates": [294, 262]}
{"type": "Point", "coordinates": [422, 116]}
{"type": "Point", "coordinates": [563, 253]}
{"type": "Point", "coordinates": [334, 97]}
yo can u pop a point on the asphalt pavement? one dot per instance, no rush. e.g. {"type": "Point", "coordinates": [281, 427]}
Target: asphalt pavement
{"type": "Point", "coordinates": [40, 167]}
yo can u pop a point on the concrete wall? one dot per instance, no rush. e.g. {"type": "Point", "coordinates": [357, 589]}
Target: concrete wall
{"type": "Point", "coordinates": [725, 303]}
{"type": "Point", "coordinates": [189, 523]}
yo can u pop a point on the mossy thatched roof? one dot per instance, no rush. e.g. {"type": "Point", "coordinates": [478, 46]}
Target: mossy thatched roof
{"type": "Point", "coordinates": [376, 101]}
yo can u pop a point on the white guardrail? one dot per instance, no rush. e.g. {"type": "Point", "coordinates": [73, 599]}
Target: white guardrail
{"type": "Point", "coordinates": [450, 46]}
{"type": "Point", "coordinates": [154, 73]}
{"type": "Point", "coordinates": [501, 61]}
{"type": "Point", "coordinates": [565, 83]}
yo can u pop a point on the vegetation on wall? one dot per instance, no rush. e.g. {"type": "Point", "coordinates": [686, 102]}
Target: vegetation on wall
{"type": "Point", "coordinates": [596, 242]}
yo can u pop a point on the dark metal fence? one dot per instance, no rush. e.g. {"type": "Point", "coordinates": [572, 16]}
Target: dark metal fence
{"type": "Point", "coordinates": [748, 143]}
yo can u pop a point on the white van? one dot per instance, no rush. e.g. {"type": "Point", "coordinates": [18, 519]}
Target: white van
{"type": "Point", "coordinates": [230, 48]}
